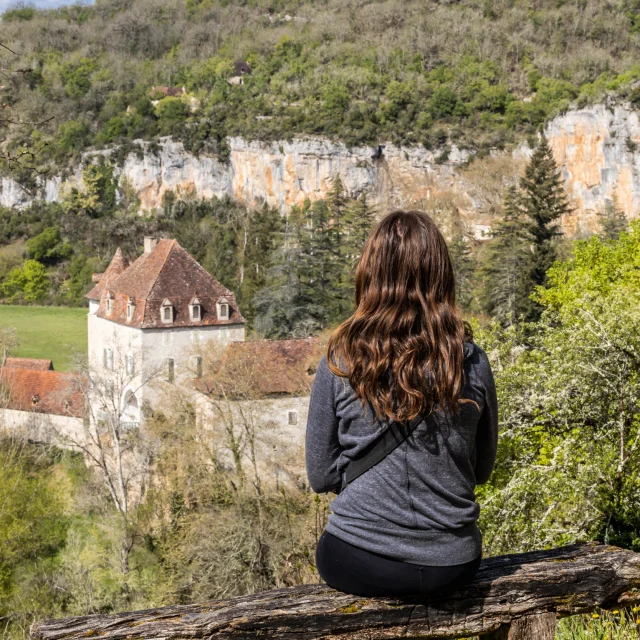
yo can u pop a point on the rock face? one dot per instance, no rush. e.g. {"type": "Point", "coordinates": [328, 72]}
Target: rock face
{"type": "Point", "coordinates": [595, 148]}
{"type": "Point", "coordinates": [285, 173]}
{"type": "Point", "coordinates": [599, 155]}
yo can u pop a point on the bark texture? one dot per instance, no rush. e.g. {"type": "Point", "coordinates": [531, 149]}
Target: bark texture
{"type": "Point", "coordinates": [507, 590]}
{"type": "Point", "coordinates": [541, 626]}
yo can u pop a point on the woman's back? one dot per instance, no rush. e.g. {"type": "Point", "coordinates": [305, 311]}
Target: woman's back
{"type": "Point", "coordinates": [418, 504]}
{"type": "Point", "coordinates": [408, 523]}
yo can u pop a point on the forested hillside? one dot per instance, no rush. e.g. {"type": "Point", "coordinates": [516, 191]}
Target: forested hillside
{"type": "Point", "coordinates": [480, 73]}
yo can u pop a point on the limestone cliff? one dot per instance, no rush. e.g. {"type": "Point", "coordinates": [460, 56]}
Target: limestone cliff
{"type": "Point", "coordinates": [596, 149]}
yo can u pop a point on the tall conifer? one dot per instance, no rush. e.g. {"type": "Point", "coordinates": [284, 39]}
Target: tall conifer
{"type": "Point", "coordinates": [259, 238]}
{"type": "Point", "coordinates": [358, 220]}
{"type": "Point", "coordinates": [543, 200]}
{"type": "Point", "coordinates": [506, 285]}
{"type": "Point", "coordinates": [282, 306]}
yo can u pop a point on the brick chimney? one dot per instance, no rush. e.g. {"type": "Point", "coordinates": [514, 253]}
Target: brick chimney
{"type": "Point", "coordinates": [149, 244]}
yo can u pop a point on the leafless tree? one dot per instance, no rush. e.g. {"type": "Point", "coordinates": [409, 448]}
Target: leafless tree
{"type": "Point", "coordinates": [118, 449]}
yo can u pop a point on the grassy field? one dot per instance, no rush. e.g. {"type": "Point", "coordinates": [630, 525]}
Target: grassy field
{"type": "Point", "coordinates": [47, 332]}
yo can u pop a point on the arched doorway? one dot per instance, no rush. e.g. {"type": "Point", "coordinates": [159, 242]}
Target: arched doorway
{"type": "Point", "coordinates": [131, 414]}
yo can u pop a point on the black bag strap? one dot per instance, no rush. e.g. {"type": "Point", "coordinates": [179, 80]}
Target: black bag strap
{"type": "Point", "coordinates": [392, 437]}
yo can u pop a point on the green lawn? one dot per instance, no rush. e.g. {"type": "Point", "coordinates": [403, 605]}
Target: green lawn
{"type": "Point", "coordinates": [55, 333]}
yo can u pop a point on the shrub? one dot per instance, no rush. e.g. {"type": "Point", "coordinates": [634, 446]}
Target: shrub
{"type": "Point", "coordinates": [29, 283]}
{"type": "Point", "coordinates": [172, 114]}
{"type": "Point", "coordinates": [48, 246]}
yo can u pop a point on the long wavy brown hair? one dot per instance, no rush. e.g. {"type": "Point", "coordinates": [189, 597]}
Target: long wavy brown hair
{"type": "Point", "coordinates": [402, 349]}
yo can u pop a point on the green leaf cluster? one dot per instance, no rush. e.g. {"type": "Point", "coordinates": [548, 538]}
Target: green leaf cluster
{"type": "Point", "coordinates": [569, 392]}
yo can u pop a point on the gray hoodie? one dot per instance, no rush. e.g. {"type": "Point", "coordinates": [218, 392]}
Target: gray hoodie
{"type": "Point", "coordinates": [418, 504]}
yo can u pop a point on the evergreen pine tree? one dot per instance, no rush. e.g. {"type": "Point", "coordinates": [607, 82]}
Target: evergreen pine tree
{"type": "Point", "coordinates": [260, 237]}
{"type": "Point", "coordinates": [282, 306]}
{"type": "Point", "coordinates": [543, 201]}
{"type": "Point", "coordinates": [506, 268]}
{"type": "Point", "coordinates": [464, 267]}
{"type": "Point", "coordinates": [462, 256]}
{"type": "Point", "coordinates": [358, 221]}
{"type": "Point", "coordinates": [613, 221]}
{"type": "Point", "coordinates": [309, 284]}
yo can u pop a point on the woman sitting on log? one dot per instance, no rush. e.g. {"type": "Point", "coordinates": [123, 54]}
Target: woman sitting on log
{"type": "Point", "coordinates": [402, 423]}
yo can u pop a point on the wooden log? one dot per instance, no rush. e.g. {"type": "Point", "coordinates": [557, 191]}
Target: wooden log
{"type": "Point", "coordinates": [506, 593]}
{"type": "Point", "coordinates": [541, 626]}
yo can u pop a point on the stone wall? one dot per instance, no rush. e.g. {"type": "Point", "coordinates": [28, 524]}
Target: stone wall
{"type": "Point", "coordinates": [279, 444]}
{"type": "Point", "coordinates": [43, 427]}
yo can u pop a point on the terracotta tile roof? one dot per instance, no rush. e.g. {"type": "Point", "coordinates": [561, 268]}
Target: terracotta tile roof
{"type": "Point", "coordinates": [265, 368]}
{"type": "Point", "coordinates": [41, 391]}
{"type": "Point", "coordinates": [166, 273]}
{"type": "Point", "coordinates": [29, 363]}
{"type": "Point", "coordinates": [117, 265]}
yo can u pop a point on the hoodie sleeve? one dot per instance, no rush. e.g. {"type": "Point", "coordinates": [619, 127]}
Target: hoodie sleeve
{"type": "Point", "coordinates": [486, 445]}
{"type": "Point", "coordinates": [322, 447]}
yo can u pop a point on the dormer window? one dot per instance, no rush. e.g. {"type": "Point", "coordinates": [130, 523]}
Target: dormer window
{"type": "Point", "coordinates": [222, 308]}
{"type": "Point", "coordinates": [195, 310]}
{"type": "Point", "coordinates": [131, 307]}
{"type": "Point", "coordinates": [166, 312]}
{"type": "Point", "coordinates": [109, 302]}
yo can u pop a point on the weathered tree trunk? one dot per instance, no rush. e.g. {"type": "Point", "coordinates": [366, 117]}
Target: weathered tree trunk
{"type": "Point", "coordinates": [514, 597]}
{"type": "Point", "coordinates": [541, 626]}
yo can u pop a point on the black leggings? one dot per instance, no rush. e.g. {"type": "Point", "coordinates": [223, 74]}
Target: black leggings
{"type": "Point", "coordinates": [362, 573]}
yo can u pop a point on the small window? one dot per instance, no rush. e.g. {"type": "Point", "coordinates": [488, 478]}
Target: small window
{"type": "Point", "coordinates": [35, 400]}
{"type": "Point", "coordinates": [109, 305]}
{"type": "Point", "coordinates": [197, 365]}
{"type": "Point", "coordinates": [110, 359]}
{"type": "Point", "coordinates": [293, 417]}
{"type": "Point", "coordinates": [170, 370]}
{"type": "Point", "coordinates": [195, 310]}
{"type": "Point", "coordinates": [130, 310]}
{"type": "Point", "coordinates": [166, 312]}
{"type": "Point", "coordinates": [195, 337]}
{"type": "Point", "coordinates": [130, 365]}
{"type": "Point", "coordinates": [104, 357]}
{"type": "Point", "coordinates": [223, 309]}
{"type": "Point", "coordinates": [167, 338]}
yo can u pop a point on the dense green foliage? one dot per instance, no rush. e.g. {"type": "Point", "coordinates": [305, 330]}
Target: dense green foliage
{"type": "Point", "coordinates": [310, 281]}
{"type": "Point", "coordinates": [570, 442]}
{"type": "Point", "coordinates": [477, 74]}
{"type": "Point", "coordinates": [33, 529]}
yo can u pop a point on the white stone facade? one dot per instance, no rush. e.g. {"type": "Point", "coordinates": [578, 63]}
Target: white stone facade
{"type": "Point", "coordinates": [279, 424]}
{"type": "Point", "coordinates": [139, 360]}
